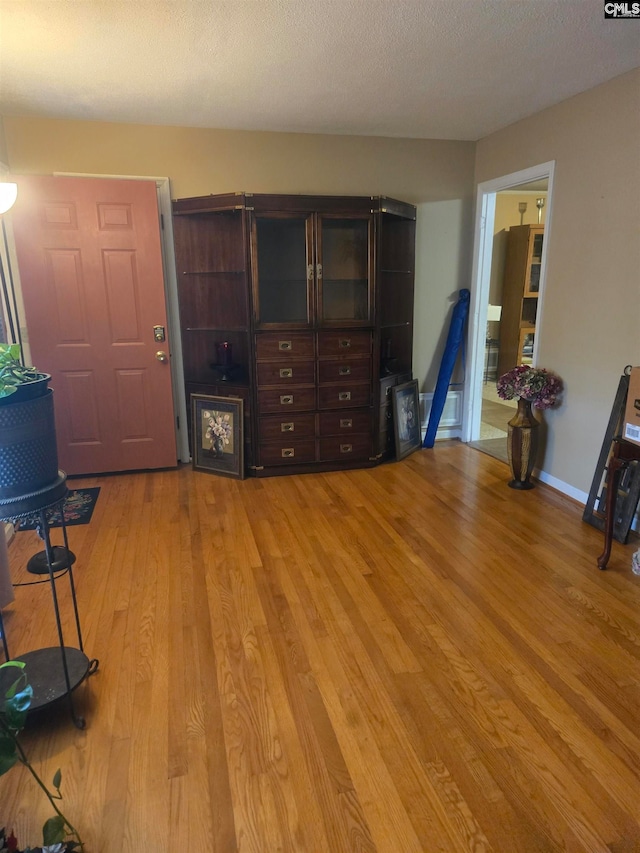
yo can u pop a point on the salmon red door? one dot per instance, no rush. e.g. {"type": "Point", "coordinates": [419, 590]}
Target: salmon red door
{"type": "Point", "coordinates": [90, 263]}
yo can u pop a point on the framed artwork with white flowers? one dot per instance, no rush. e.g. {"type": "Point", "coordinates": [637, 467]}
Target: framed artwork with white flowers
{"type": "Point", "coordinates": [217, 437]}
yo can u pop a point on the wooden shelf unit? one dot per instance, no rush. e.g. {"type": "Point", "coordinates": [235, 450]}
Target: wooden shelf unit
{"type": "Point", "coordinates": [520, 291]}
{"type": "Point", "coordinates": [315, 296]}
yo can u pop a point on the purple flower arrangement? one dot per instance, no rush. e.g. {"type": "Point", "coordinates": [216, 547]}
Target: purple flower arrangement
{"type": "Point", "coordinates": [536, 384]}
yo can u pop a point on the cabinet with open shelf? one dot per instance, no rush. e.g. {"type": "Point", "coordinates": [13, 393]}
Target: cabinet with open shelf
{"type": "Point", "coordinates": [314, 297]}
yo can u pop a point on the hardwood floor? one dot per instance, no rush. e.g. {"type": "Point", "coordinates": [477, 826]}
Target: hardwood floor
{"type": "Point", "coordinates": [408, 659]}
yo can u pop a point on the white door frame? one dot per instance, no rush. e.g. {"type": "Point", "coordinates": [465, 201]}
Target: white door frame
{"type": "Point", "coordinates": [165, 225]}
{"type": "Point", "coordinates": [481, 279]}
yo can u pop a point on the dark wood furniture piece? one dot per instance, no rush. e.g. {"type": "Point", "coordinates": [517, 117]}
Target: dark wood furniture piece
{"type": "Point", "coordinates": [310, 301]}
{"type": "Point", "coordinates": [491, 353]}
{"type": "Point", "coordinates": [520, 290]}
{"type": "Point", "coordinates": [624, 452]}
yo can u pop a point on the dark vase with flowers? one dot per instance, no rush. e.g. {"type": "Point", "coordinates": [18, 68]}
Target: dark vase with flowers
{"type": "Point", "coordinates": [532, 387]}
{"type": "Point", "coordinates": [522, 445]}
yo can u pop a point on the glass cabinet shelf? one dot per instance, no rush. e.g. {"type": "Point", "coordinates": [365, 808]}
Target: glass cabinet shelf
{"type": "Point", "coordinates": [215, 328]}
{"type": "Point", "coordinates": [213, 272]}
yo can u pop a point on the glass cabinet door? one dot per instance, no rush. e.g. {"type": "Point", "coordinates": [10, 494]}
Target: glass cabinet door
{"type": "Point", "coordinates": [532, 284]}
{"type": "Point", "coordinates": [283, 269]}
{"type": "Point", "coordinates": [344, 265]}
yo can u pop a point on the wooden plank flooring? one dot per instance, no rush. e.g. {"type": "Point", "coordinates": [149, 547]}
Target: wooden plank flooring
{"type": "Point", "coordinates": [409, 659]}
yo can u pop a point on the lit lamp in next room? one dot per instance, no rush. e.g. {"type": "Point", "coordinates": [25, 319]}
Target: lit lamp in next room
{"type": "Point", "coordinates": [494, 312]}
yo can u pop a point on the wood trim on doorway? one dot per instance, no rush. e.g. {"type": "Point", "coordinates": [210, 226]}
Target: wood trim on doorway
{"type": "Point", "coordinates": [480, 282]}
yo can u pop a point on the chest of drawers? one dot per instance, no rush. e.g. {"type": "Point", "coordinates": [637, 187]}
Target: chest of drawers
{"type": "Point", "coordinates": [314, 392]}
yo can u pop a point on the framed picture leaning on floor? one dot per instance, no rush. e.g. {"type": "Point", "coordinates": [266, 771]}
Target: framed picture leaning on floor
{"type": "Point", "coordinates": [406, 418]}
{"type": "Point", "coordinates": [217, 439]}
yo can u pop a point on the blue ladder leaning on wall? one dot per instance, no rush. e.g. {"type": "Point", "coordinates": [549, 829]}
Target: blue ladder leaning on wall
{"type": "Point", "coordinates": [455, 340]}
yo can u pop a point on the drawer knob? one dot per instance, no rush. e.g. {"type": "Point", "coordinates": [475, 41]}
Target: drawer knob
{"type": "Point", "coordinates": [344, 371]}
{"type": "Point", "coordinates": [287, 427]}
{"type": "Point", "coordinates": [344, 343]}
{"type": "Point", "coordinates": [288, 452]}
{"type": "Point", "coordinates": [286, 399]}
{"type": "Point", "coordinates": [346, 448]}
{"type": "Point", "coordinates": [286, 372]}
{"type": "Point", "coordinates": [344, 395]}
{"type": "Point", "coordinates": [346, 423]}
{"type": "Point", "coordinates": [285, 345]}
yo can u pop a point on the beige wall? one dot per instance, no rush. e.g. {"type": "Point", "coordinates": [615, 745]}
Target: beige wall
{"type": "Point", "coordinates": [444, 273]}
{"type": "Point", "coordinates": [590, 325]}
{"type": "Point", "coordinates": [435, 175]}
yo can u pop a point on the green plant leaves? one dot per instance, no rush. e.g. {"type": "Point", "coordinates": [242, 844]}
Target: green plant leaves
{"type": "Point", "coordinates": [8, 752]}
{"type": "Point", "coordinates": [13, 714]}
{"type": "Point", "coordinates": [17, 699]}
{"type": "Point", "coordinates": [9, 353]}
{"type": "Point", "coordinates": [15, 664]}
{"type": "Point", "coordinates": [12, 371]}
{"type": "Point", "coordinates": [53, 831]}
{"type": "Point", "coordinates": [13, 711]}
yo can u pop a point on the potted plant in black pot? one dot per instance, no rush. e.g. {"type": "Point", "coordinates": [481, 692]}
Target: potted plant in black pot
{"type": "Point", "coordinates": [19, 382]}
{"type": "Point", "coordinates": [28, 451]}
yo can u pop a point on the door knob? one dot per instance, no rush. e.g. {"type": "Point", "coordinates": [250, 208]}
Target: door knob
{"type": "Point", "coordinates": [162, 356]}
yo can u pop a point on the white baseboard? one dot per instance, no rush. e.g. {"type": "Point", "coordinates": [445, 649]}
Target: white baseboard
{"type": "Point", "coordinates": [561, 486]}
{"type": "Point", "coordinates": [450, 426]}
{"type": "Point", "coordinates": [571, 492]}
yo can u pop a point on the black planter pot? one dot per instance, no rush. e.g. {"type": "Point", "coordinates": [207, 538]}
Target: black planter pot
{"type": "Point", "coordinates": [28, 450]}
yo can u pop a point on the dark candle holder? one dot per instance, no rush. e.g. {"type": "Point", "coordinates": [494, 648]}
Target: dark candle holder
{"type": "Point", "coordinates": [225, 354]}
{"type": "Point", "coordinates": [224, 366]}
{"type": "Point", "coordinates": [389, 365]}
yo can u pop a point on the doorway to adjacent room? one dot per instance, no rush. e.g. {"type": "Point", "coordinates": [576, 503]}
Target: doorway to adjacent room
{"type": "Point", "coordinates": [519, 200]}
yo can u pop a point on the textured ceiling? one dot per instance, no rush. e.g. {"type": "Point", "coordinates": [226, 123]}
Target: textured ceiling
{"type": "Point", "coordinates": [447, 69]}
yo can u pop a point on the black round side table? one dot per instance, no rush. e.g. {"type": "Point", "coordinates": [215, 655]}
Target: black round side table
{"type": "Point", "coordinates": [56, 671]}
